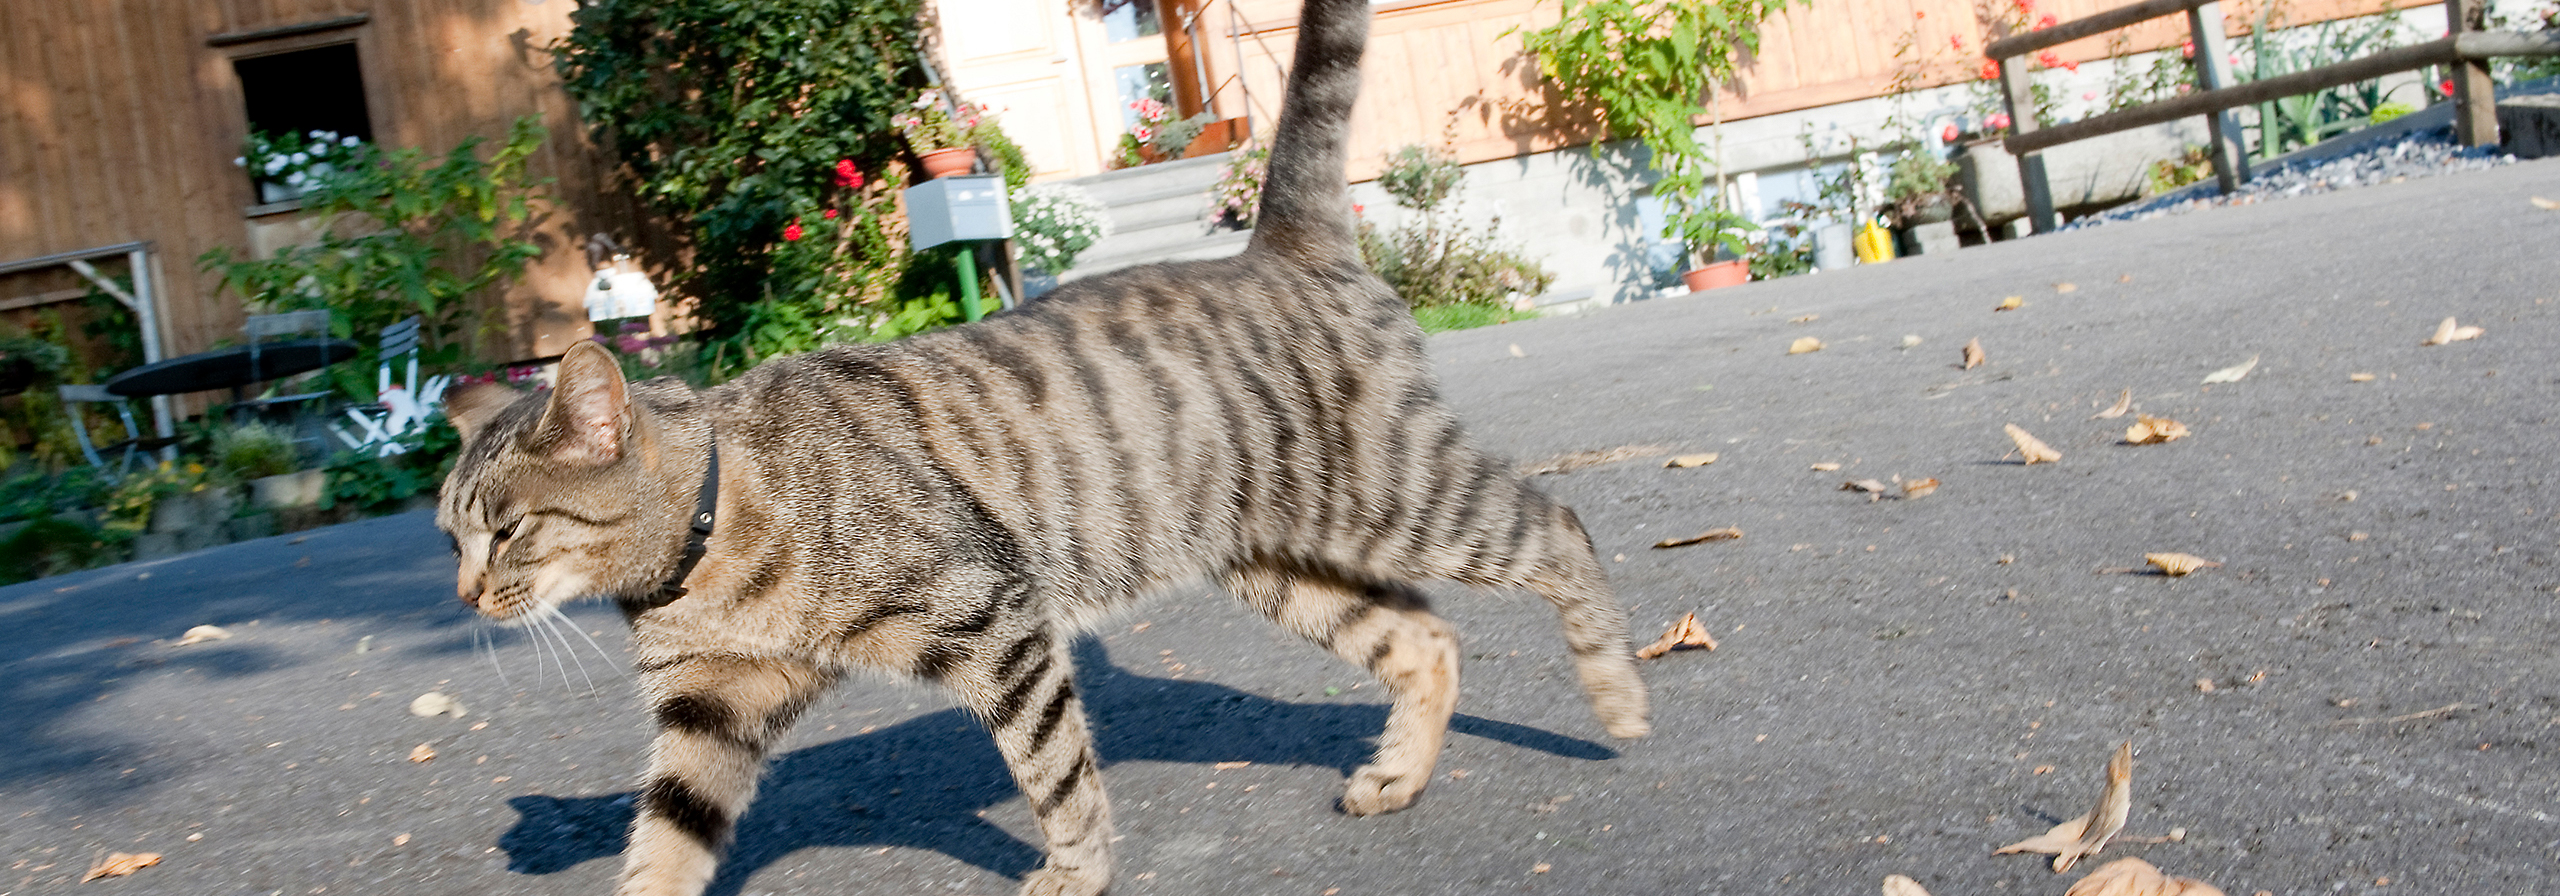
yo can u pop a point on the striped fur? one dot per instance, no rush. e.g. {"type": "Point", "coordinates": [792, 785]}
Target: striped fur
{"type": "Point", "coordinates": [958, 505]}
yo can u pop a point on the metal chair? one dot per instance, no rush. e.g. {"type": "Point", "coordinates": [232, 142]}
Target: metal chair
{"type": "Point", "coordinates": [403, 406]}
{"type": "Point", "coordinates": [125, 452]}
{"type": "Point", "coordinates": [262, 327]}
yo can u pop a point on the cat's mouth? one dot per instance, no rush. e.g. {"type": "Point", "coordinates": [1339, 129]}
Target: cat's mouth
{"type": "Point", "coordinates": [523, 598]}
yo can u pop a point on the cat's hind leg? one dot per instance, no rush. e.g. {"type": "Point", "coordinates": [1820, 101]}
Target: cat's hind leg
{"type": "Point", "coordinates": [1389, 629]}
{"type": "Point", "coordinates": [716, 717]}
{"type": "Point", "coordinates": [1025, 693]}
{"type": "Point", "coordinates": [1552, 556]}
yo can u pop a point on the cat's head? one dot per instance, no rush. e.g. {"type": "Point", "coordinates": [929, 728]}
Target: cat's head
{"type": "Point", "coordinates": [567, 494]}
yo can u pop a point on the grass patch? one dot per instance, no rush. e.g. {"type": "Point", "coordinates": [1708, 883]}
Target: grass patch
{"type": "Point", "coordinates": [1443, 318]}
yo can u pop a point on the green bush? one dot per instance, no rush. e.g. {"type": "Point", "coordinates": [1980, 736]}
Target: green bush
{"type": "Point", "coordinates": [376, 485]}
{"type": "Point", "coordinates": [253, 451]}
{"type": "Point", "coordinates": [1433, 261]}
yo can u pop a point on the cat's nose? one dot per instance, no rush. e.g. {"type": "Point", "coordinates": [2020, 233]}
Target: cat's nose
{"type": "Point", "coordinates": [469, 592]}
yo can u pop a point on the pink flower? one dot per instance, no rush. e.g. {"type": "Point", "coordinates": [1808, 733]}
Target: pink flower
{"type": "Point", "coordinates": [2091, 95]}
{"type": "Point", "coordinates": [1999, 121]}
{"type": "Point", "coordinates": [2026, 5]}
{"type": "Point", "coordinates": [1919, 13]}
{"type": "Point", "coordinates": [2047, 22]}
{"type": "Point", "coordinates": [829, 215]}
{"type": "Point", "coordinates": [791, 231]}
{"type": "Point", "coordinates": [2070, 66]}
{"type": "Point", "coordinates": [1144, 133]}
{"type": "Point", "coordinates": [1956, 41]}
{"type": "Point", "coordinates": [1947, 134]}
{"type": "Point", "coordinates": [2183, 88]}
{"type": "Point", "coordinates": [2187, 48]}
{"type": "Point", "coordinates": [1359, 209]}
{"type": "Point", "coordinates": [2049, 59]}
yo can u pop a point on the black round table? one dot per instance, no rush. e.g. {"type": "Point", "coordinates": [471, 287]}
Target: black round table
{"type": "Point", "coordinates": [230, 368]}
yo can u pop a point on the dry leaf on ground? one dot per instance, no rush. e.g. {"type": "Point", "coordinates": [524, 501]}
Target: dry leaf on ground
{"type": "Point", "coordinates": [1682, 634]}
{"type": "Point", "coordinates": [1874, 488]}
{"type": "Point", "coordinates": [1805, 319]}
{"type": "Point", "coordinates": [1516, 352]}
{"type": "Point", "coordinates": [2359, 377]}
{"type": "Point", "coordinates": [1898, 885]}
{"type": "Point", "coordinates": [1919, 488]}
{"type": "Point", "coordinates": [1690, 460]}
{"type": "Point", "coordinates": [422, 753]}
{"type": "Point", "coordinates": [2065, 287]}
{"type": "Point", "coordinates": [1806, 344]}
{"type": "Point", "coordinates": [2449, 332]}
{"type": "Point", "coordinates": [2034, 450]}
{"type": "Point", "coordinates": [203, 633]}
{"type": "Point", "coordinates": [2177, 564]}
{"type": "Point", "coordinates": [2150, 430]}
{"type": "Point", "coordinates": [1973, 356]}
{"type": "Point", "coordinates": [2012, 303]}
{"type": "Point", "coordinates": [120, 864]}
{"type": "Point", "coordinates": [2123, 403]}
{"type": "Point", "coordinates": [1910, 339]}
{"type": "Point", "coordinates": [1727, 533]}
{"type": "Point", "coordinates": [1568, 462]}
{"type": "Point", "coordinates": [2233, 373]}
{"type": "Point", "coordinates": [435, 703]}
{"type": "Point", "coordinates": [2080, 837]}
{"type": "Point", "coordinates": [1826, 466]}
{"type": "Point", "coordinates": [2545, 204]}
{"type": "Point", "coordinates": [2135, 877]}
{"type": "Point", "coordinates": [1232, 766]}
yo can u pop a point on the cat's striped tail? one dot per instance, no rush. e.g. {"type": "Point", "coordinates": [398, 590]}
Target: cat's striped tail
{"type": "Point", "coordinates": [1306, 201]}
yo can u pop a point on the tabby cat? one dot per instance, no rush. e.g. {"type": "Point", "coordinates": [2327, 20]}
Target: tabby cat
{"type": "Point", "coordinates": [958, 505]}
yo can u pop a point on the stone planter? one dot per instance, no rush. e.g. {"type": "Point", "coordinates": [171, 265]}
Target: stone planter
{"type": "Point", "coordinates": [2084, 174]}
{"type": "Point", "coordinates": [302, 488]}
{"type": "Point", "coordinates": [1936, 238]}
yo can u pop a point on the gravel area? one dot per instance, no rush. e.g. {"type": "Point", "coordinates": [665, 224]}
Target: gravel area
{"type": "Point", "coordinates": [2423, 153]}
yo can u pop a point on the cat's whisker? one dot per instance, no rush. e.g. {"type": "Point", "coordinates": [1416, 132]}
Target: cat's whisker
{"type": "Point", "coordinates": [484, 642]}
{"type": "Point", "coordinates": [561, 620]}
{"type": "Point", "coordinates": [559, 650]}
{"type": "Point", "coordinates": [610, 662]}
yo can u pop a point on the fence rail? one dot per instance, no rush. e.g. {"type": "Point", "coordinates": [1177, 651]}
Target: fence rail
{"type": "Point", "coordinates": [2466, 49]}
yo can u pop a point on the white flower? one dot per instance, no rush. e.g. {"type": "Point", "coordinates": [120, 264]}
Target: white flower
{"type": "Point", "coordinates": [274, 164]}
{"type": "Point", "coordinates": [239, 161]}
{"type": "Point", "coordinates": [349, 141]}
{"type": "Point", "coordinates": [300, 158]}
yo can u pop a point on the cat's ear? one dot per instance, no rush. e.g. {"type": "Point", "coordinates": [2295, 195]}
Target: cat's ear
{"type": "Point", "coordinates": [590, 410]}
{"type": "Point", "coordinates": [471, 407]}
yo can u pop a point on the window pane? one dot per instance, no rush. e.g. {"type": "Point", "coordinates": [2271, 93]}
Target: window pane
{"type": "Point", "coordinates": [1152, 81]}
{"type": "Point", "coordinates": [1130, 20]}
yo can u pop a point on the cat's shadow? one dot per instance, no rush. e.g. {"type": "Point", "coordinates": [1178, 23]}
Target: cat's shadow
{"type": "Point", "coordinates": [922, 782]}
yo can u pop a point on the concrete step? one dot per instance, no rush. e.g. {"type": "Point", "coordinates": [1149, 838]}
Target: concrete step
{"type": "Point", "coordinates": [1144, 181]}
{"type": "Point", "coordinates": [1219, 245]}
{"type": "Point", "coordinates": [1188, 207]}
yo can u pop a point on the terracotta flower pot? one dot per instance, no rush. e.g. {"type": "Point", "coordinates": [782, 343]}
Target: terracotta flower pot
{"type": "Point", "coordinates": [948, 162]}
{"type": "Point", "coordinates": [1718, 275]}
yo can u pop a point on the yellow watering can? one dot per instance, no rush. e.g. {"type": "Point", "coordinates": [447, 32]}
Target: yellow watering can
{"type": "Point", "coordinates": [1874, 243]}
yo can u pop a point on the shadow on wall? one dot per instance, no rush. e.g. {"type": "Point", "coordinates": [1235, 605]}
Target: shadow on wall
{"type": "Point", "coordinates": [922, 782]}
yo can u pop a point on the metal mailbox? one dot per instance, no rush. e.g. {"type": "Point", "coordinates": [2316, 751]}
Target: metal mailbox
{"type": "Point", "coordinates": [948, 209]}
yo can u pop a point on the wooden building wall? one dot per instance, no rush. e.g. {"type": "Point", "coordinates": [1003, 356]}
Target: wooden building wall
{"type": "Point", "coordinates": [123, 116]}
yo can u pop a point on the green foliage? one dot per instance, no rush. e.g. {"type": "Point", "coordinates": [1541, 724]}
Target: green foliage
{"type": "Point", "coordinates": [1420, 177]}
{"type": "Point", "coordinates": [1916, 181]}
{"type": "Point", "coordinates": [48, 546]}
{"type": "Point", "coordinates": [1646, 66]}
{"type": "Point", "coordinates": [1784, 250]}
{"type": "Point", "coordinates": [403, 233]}
{"type": "Point", "coordinates": [2297, 121]}
{"type": "Point", "coordinates": [2389, 111]}
{"type": "Point", "coordinates": [253, 451]}
{"type": "Point", "coordinates": [747, 123]}
{"type": "Point", "coordinates": [2195, 164]}
{"type": "Point", "coordinates": [1443, 318]}
{"type": "Point", "coordinates": [127, 506]}
{"type": "Point", "coordinates": [31, 493]}
{"type": "Point", "coordinates": [1432, 261]}
{"type": "Point", "coordinates": [375, 485]}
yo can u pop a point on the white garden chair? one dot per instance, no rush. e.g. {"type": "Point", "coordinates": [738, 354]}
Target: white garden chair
{"type": "Point", "coordinates": [402, 407]}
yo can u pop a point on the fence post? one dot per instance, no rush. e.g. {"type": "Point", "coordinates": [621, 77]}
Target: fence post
{"type": "Point", "coordinates": [2475, 98]}
{"type": "Point", "coordinates": [2017, 94]}
{"type": "Point", "coordinates": [2213, 72]}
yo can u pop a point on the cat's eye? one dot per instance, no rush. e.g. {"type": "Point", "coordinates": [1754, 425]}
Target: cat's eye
{"type": "Point", "coordinates": [498, 540]}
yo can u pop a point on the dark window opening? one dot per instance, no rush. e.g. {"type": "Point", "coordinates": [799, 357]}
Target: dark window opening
{"type": "Point", "coordinates": [290, 98]}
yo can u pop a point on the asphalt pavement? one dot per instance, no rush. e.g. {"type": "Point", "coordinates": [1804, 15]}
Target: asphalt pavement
{"type": "Point", "coordinates": [1903, 684]}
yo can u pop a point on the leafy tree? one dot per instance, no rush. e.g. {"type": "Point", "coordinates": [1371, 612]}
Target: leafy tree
{"type": "Point", "coordinates": [764, 129]}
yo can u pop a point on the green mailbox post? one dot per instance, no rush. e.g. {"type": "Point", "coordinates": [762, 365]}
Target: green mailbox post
{"type": "Point", "coordinates": [959, 209]}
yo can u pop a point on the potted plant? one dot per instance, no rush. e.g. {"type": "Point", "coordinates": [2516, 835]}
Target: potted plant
{"type": "Point", "coordinates": [939, 143]}
{"type": "Point", "coordinates": [1650, 68]}
{"type": "Point", "coordinates": [1719, 244]}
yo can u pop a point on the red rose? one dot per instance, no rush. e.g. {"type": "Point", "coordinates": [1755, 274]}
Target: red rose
{"type": "Point", "coordinates": [2049, 59]}
{"type": "Point", "coordinates": [1990, 69]}
{"type": "Point", "coordinates": [848, 176]}
{"type": "Point", "coordinates": [791, 231]}
{"type": "Point", "coordinates": [1947, 134]}
{"type": "Point", "coordinates": [2446, 88]}
{"type": "Point", "coordinates": [830, 215]}
{"type": "Point", "coordinates": [2047, 22]}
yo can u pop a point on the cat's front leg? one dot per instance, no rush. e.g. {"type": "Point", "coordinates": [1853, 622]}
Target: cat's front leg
{"type": "Point", "coordinates": [716, 717]}
{"type": "Point", "coordinates": [1025, 693]}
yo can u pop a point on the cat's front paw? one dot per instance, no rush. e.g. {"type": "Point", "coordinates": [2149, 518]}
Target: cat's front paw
{"type": "Point", "coordinates": [1376, 792]}
{"type": "Point", "coordinates": [1066, 882]}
